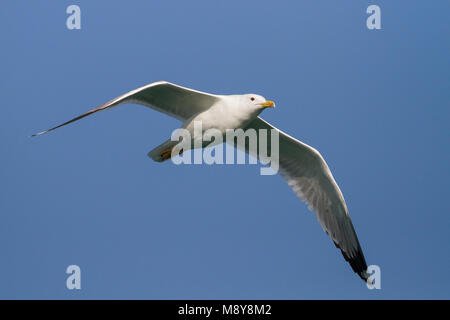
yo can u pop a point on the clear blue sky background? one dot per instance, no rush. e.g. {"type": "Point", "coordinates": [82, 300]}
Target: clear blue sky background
{"type": "Point", "coordinates": [375, 103]}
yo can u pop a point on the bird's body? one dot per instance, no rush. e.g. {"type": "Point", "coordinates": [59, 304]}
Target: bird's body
{"type": "Point", "coordinates": [224, 114]}
{"type": "Point", "coordinates": [301, 166]}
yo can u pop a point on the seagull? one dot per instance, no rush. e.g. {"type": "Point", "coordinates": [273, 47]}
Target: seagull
{"type": "Point", "coordinates": [300, 165]}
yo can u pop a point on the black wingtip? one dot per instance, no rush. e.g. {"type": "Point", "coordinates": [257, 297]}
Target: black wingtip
{"type": "Point", "coordinates": [102, 107]}
{"type": "Point", "coordinates": [357, 262]}
{"type": "Point", "coordinates": [40, 133]}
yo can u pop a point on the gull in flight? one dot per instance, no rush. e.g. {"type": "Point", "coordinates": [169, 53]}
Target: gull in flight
{"type": "Point", "coordinates": [300, 165]}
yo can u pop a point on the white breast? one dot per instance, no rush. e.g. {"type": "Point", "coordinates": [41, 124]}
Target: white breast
{"type": "Point", "coordinates": [224, 114]}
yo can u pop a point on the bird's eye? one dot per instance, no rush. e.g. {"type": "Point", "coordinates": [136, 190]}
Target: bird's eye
{"type": "Point", "coordinates": [253, 99]}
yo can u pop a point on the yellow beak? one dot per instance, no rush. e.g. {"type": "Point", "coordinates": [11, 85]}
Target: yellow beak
{"type": "Point", "coordinates": [268, 104]}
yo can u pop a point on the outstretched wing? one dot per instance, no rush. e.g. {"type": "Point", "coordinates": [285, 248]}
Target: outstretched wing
{"type": "Point", "coordinates": [307, 173]}
{"type": "Point", "coordinates": [171, 99]}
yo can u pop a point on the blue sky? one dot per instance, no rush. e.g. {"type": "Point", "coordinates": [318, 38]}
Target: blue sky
{"type": "Point", "coordinates": [375, 103]}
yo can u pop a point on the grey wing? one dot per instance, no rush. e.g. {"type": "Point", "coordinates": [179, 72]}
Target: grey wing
{"type": "Point", "coordinates": [171, 99]}
{"type": "Point", "coordinates": [307, 173]}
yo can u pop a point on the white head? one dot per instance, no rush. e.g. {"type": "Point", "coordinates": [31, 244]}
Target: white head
{"type": "Point", "coordinates": [253, 104]}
